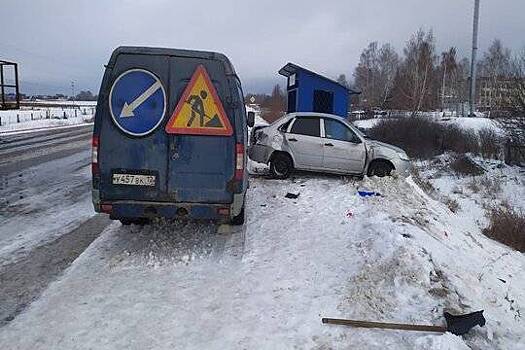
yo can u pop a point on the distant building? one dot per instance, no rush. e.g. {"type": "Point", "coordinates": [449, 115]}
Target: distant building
{"type": "Point", "coordinates": [491, 95]}
{"type": "Point", "coordinates": [311, 92]}
{"type": "Point", "coordinates": [497, 93]}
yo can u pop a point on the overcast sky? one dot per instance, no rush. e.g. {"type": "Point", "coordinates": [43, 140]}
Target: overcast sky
{"type": "Point", "coordinates": [57, 41]}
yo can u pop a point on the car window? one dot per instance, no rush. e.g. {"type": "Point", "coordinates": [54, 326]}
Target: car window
{"type": "Point", "coordinates": [284, 126]}
{"type": "Point", "coordinates": [306, 126]}
{"type": "Point", "coordinates": [338, 131]}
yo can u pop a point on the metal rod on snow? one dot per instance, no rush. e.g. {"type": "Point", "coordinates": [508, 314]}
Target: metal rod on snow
{"type": "Point", "coordinates": [385, 325]}
{"type": "Point", "coordinates": [456, 324]}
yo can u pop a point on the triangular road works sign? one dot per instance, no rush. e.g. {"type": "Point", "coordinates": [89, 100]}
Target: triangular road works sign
{"type": "Point", "coordinates": [199, 111]}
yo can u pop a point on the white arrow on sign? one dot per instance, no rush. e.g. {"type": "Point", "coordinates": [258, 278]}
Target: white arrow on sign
{"type": "Point", "coordinates": [127, 110]}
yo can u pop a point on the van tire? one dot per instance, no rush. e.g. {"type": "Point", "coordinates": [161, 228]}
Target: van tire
{"type": "Point", "coordinates": [135, 221]}
{"type": "Point", "coordinates": [380, 168]}
{"type": "Point", "coordinates": [281, 165]}
{"type": "Point", "coordinates": [239, 219]}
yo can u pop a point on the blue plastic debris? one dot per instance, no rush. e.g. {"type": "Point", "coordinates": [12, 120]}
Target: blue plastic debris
{"type": "Point", "coordinates": [368, 193]}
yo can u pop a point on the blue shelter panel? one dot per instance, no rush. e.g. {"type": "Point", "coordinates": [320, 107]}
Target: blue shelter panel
{"type": "Point", "coordinates": [311, 92]}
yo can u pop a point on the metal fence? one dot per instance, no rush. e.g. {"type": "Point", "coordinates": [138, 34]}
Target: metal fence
{"type": "Point", "coordinates": [27, 115]}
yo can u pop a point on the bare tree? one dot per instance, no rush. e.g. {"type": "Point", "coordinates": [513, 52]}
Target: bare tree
{"type": "Point", "coordinates": [364, 75]}
{"type": "Point", "coordinates": [388, 63]}
{"type": "Point", "coordinates": [416, 73]}
{"type": "Point", "coordinates": [275, 105]}
{"type": "Point", "coordinates": [375, 73]}
{"type": "Point", "coordinates": [341, 79]}
{"type": "Point", "coordinates": [448, 74]}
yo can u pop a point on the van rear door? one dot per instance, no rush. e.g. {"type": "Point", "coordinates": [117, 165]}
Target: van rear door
{"type": "Point", "coordinates": [187, 168]}
{"type": "Point", "coordinates": [201, 164]}
{"type": "Point", "coordinates": [130, 119]}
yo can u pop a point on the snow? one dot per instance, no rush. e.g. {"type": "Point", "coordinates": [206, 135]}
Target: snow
{"type": "Point", "coordinates": [48, 127]}
{"type": "Point", "coordinates": [474, 123]}
{"type": "Point", "coordinates": [43, 202]}
{"type": "Point", "coordinates": [366, 123]}
{"type": "Point", "coordinates": [401, 257]}
{"type": "Point", "coordinates": [258, 119]}
{"type": "Point", "coordinates": [46, 114]}
{"type": "Point", "coordinates": [468, 123]}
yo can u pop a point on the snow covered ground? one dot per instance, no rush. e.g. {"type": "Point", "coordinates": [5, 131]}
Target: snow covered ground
{"type": "Point", "coordinates": [46, 114]}
{"type": "Point", "coordinates": [468, 123]}
{"type": "Point", "coordinates": [401, 257]}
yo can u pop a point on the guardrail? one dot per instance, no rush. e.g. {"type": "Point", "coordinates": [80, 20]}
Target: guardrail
{"type": "Point", "coordinates": [58, 104]}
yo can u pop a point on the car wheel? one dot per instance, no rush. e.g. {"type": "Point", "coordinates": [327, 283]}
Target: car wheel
{"type": "Point", "coordinates": [239, 219]}
{"type": "Point", "coordinates": [380, 169]}
{"type": "Point", "coordinates": [281, 166]}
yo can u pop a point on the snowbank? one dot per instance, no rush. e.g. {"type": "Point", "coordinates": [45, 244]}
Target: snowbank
{"type": "Point", "coordinates": [400, 257]}
{"type": "Point", "coordinates": [366, 123]}
{"type": "Point", "coordinates": [474, 124]}
{"type": "Point", "coordinates": [43, 116]}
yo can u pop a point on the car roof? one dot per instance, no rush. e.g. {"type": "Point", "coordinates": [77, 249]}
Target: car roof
{"type": "Point", "coordinates": [314, 114]}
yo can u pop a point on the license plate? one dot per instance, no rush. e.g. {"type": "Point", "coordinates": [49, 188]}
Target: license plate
{"type": "Point", "coordinates": [134, 180]}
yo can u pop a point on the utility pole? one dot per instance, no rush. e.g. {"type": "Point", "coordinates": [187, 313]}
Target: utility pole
{"type": "Point", "coordinates": [73, 90]}
{"type": "Point", "coordinates": [473, 60]}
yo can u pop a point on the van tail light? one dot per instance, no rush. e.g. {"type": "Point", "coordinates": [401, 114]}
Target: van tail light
{"type": "Point", "coordinates": [94, 155]}
{"type": "Point", "coordinates": [239, 161]}
{"type": "Point", "coordinates": [223, 211]}
{"type": "Point", "coordinates": [106, 208]}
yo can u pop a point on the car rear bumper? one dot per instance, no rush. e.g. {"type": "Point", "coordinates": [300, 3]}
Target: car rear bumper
{"type": "Point", "coordinates": [142, 209]}
{"type": "Point", "coordinates": [260, 153]}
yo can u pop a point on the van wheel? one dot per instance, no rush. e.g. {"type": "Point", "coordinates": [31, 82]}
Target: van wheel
{"type": "Point", "coordinates": [137, 221]}
{"type": "Point", "coordinates": [239, 219]}
{"type": "Point", "coordinates": [281, 166]}
{"type": "Point", "coordinates": [380, 168]}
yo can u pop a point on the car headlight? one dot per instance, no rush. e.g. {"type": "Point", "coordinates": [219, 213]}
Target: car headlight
{"type": "Point", "coordinates": [403, 156]}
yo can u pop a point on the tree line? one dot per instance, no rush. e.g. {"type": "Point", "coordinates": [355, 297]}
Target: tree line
{"type": "Point", "coordinates": [421, 79]}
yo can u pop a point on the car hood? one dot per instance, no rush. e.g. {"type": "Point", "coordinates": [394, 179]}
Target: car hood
{"type": "Point", "coordinates": [379, 144]}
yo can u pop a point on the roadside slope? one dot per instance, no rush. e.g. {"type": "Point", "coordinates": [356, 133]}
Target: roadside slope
{"type": "Point", "coordinates": [399, 257]}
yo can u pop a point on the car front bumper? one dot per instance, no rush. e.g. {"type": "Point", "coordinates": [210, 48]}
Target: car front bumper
{"type": "Point", "coordinates": [402, 167]}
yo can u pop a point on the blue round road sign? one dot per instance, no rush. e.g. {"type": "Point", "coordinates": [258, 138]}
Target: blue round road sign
{"type": "Point", "coordinates": [137, 102]}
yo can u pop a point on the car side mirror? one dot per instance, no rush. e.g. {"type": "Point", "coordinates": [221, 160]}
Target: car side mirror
{"type": "Point", "coordinates": [251, 119]}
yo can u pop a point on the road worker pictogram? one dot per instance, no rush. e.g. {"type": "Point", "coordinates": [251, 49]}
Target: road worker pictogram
{"type": "Point", "coordinates": [199, 111]}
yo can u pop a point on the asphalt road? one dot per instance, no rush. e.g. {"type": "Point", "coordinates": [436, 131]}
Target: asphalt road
{"type": "Point", "coordinates": [20, 151]}
{"type": "Point", "coordinates": [50, 164]}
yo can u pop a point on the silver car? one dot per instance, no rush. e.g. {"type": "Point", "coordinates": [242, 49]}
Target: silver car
{"type": "Point", "coordinates": [323, 143]}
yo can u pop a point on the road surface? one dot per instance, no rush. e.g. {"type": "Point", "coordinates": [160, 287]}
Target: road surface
{"type": "Point", "coordinates": [46, 220]}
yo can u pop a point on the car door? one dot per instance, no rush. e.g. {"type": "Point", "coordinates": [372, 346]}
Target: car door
{"type": "Point", "coordinates": [305, 143]}
{"type": "Point", "coordinates": [343, 149]}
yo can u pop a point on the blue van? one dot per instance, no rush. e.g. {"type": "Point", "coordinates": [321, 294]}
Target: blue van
{"type": "Point", "coordinates": [170, 137]}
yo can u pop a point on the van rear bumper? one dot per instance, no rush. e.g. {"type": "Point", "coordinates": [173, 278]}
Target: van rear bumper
{"type": "Point", "coordinates": [139, 209]}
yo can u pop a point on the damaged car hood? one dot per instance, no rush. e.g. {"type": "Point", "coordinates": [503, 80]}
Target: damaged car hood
{"type": "Point", "coordinates": [379, 144]}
